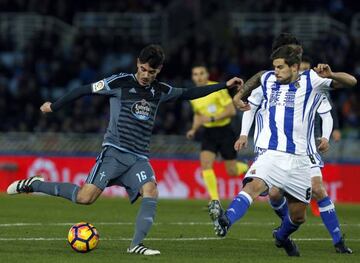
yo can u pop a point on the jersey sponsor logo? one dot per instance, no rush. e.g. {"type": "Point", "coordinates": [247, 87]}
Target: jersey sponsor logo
{"type": "Point", "coordinates": [274, 96]}
{"type": "Point", "coordinates": [98, 86]}
{"type": "Point", "coordinates": [141, 110]}
{"type": "Point", "coordinates": [287, 100]}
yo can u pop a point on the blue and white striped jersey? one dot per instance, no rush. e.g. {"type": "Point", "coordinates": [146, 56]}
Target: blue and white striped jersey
{"type": "Point", "coordinates": [285, 121]}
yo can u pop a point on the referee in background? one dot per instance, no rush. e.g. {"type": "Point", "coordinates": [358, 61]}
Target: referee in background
{"type": "Point", "coordinates": [214, 112]}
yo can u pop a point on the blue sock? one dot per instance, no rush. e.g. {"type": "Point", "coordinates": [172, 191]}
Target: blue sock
{"type": "Point", "coordinates": [329, 217]}
{"type": "Point", "coordinates": [280, 207]}
{"type": "Point", "coordinates": [286, 229]}
{"type": "Point", "coordinates": [238, 207]}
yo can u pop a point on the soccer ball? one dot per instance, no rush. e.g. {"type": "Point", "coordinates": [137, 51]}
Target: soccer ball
{"type": "Point", "coordinates": [83, 237]}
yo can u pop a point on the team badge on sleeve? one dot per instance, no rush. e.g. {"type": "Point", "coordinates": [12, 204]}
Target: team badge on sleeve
{"type": "Point", "coordinates": [98, 86]}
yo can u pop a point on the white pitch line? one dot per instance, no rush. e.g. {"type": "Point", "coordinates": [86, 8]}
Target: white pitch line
{"type": "Point", "coordinates": [109, 239]}
{"type": "Point", "coordinates": [159, 223]}
{"type": "Point", "coordinates": [168, 239]}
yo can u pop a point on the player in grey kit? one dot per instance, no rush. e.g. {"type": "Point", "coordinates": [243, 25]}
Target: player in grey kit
{"type": "Point", "coordinates": [134, 99]}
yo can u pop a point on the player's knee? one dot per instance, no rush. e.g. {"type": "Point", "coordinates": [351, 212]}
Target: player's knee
{"type": "Point", "coordinates": [318, 191]}
{"type": "Point", "coordinates": [298, 216]}
{"type": "Point", "coordinates": [150, 190]}
{"type": "Point", "coordinates": [298, 219]}
{"type": "Point", "coordinates": [255, 187]}
{"type": "Point", "coordinates": [85, 198]}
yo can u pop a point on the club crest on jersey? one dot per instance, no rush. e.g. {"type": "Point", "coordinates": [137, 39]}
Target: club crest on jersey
{"type": "Point", "coordinates": [141, 110]}
{"type": "Point", "coordinates": [98, 86]}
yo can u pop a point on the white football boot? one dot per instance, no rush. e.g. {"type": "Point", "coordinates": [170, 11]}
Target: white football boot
{"type": "Point", "coordinates": [23, 186]}
{"type": "Point", "coordinates": [142, 250]}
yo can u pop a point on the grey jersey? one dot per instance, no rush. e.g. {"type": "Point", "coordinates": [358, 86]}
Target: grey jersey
{"type": "Point", "coordinates": [132, 111]}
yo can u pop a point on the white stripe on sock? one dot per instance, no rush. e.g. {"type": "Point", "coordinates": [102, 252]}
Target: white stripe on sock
{"type": "Point", "coordinates": [247, 196]}
{"type": "Point", "coordinates": [280, 206]}
{"type": "Point", "coordinates": [292, 221]}
{"type": "Point", "coordinates": [327, 208]}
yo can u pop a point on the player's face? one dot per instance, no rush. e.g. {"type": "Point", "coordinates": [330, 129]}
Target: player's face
{"type": "Point", "coordinates": [145, 74]}
{"type": "Point", "coordinates": [200, 76]}
{"type": "Point", "coordinates": [283, 72]}
{"type": "Point", "coordinates": [304, 66]}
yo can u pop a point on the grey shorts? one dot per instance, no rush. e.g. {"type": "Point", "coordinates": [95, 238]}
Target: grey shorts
{"type": "Point", "coordinates": [114, 167]}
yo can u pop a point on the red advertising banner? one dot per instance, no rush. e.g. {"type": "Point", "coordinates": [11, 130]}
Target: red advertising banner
{"type": "Point", "coordinates": [176, 178]}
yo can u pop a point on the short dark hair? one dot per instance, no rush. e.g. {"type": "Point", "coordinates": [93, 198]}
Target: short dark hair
{"type": "Point", "coordinates": [285, 39]}
{"type": "Point", "coordinates": [152, 54]}
{"type": "Point", "coordinates": [291, 54]}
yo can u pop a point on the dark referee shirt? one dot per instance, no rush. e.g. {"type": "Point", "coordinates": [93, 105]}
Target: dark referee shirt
{"type": "Point", "coordinates": [132, 111]}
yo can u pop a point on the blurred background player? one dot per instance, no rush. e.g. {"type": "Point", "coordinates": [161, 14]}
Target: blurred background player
{"type": "Point", "coordinates": [335, 134]}
{"type": "Point", "coordinates": [214, 113]}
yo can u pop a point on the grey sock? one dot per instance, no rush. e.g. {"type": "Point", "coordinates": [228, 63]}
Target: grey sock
{"type": "Point", "coordinates": [65, 190]}
{"type": "Point", "coordinates": [144, 220]}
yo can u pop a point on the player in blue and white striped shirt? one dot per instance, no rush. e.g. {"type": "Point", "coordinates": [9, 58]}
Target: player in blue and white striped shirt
{"type": "Point", "coordinates": [288, 110]}
{"type": "Point", "coordinates": [277, 199]}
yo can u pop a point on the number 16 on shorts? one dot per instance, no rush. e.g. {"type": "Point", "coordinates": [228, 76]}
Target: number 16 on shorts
{"type": "Point", "coordinates": [141, 176]}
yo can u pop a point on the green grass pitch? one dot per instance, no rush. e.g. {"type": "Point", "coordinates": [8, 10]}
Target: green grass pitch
{"type": "Point", "coordinates": [34, 229]}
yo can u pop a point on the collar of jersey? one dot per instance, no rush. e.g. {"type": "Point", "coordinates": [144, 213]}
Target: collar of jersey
{"type": "Point", "coordinates": [297, 80]}
{"type": "Point", "coordinates": [146, 87]}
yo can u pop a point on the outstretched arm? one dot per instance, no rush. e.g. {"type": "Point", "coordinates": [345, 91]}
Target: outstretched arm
{"type": "Point", "coordinates": [68, 97]}
{"type": "Point", "coordinates": [198, 92]}
{"type": "Point", "coordinates": [340, 79]}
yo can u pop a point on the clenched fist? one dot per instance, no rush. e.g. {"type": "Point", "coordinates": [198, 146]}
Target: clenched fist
{"type": "Point", "coordinates": [235, 82]}
{"type": "Point", "coordinates": [324, 145]}
{"type": "Point", "coordinates": [323, 70]}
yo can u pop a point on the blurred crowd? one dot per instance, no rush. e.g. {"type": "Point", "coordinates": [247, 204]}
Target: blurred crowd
{"type": "Point", "coordinates": [44, 70]}
{"type": "Point", "coordinates": [66, 9]}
